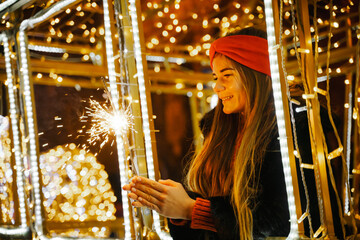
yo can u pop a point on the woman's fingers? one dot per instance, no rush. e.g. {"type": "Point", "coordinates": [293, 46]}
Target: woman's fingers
{"type": "Point", "coordinates": [145, 195]}
{"type": "Point", "coordinates": [148, 204]}
{"type": "Point", "coordinates": [151, 183]}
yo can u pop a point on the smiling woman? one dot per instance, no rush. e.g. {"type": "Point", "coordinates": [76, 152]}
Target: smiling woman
{"type": "Point", "coordinates": [235, 184]}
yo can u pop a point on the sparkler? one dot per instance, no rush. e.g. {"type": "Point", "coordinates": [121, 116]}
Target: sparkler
{"type": "Point", "coordinates": [107, 121]}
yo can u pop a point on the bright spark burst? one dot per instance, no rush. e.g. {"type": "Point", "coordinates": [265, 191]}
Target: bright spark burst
{"type": "Point", "coordinates": [107, 121]}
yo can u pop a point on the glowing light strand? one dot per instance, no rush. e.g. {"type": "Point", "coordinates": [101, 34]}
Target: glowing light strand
{"type": "Point", "coordinates": [23, 229]}
{"type": "Point", "coordinates": [292, 119]}
{"type": "Point", "coordinates": [6, 4]}
{"type": "Point", "coordinates": [115, 100]}
{"type": "Point", "coordinates": [280, 118]}
{"type": "Point", "coordinates": [144, 109]}
{"type": "Point", "coordinates": [25, 78]}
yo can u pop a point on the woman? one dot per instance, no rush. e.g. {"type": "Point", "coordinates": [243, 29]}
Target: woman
{"type": "Point", "coordinates": [236, 182]}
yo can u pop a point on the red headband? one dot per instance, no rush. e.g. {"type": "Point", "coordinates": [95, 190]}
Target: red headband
{"type": "Point", "coordinates": [250, 51]}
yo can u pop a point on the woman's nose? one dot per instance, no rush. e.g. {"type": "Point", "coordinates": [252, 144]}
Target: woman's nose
{"type": "Point", "coordinates": [218, 86]}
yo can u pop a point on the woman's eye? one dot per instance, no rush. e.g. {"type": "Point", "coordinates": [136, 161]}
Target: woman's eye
{"type": "Point", "coordinates": [227, 75]}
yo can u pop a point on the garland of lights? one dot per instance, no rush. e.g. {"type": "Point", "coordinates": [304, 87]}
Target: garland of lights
{"type": "Point", "coordinates": [144, 110]}
{"type": "Point", "coordinates": [115, 101]}
{"type": "Point", "coordinates": [23, 229]}
{"type": "Point", "coordinates": [280, 118]}
{"type": "Point", "coordinates": [297, 154]}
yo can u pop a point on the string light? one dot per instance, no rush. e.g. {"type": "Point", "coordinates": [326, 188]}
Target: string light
{"type": "Point", "coordinates": [118, 134]}
{"type": "Point", "coordinates": [280, 117]}
{"type": "Point", "coordinates": [22, 229]}
{"type": "Point", "coordinates": [144, 110]}
{"type": "Point", "coordinates": [33, 145]}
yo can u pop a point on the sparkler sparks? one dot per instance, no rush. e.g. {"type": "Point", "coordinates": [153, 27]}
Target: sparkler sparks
{"type": "Point", "coordinates": [107, 121]}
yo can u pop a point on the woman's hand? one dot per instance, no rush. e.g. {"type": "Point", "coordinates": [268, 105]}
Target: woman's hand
{"type": "Point", "coordinates": [167, 197]}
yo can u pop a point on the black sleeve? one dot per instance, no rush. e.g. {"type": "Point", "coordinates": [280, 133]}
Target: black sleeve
{"type": "Point", "coordinates": [270, 213]}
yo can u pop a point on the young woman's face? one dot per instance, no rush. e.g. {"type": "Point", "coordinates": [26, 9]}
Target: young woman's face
{"type": "Point", "coordinates": [228, 85]}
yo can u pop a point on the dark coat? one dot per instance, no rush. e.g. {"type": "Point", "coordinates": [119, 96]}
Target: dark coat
{"type": "Point", "coordinates": [270, 208]}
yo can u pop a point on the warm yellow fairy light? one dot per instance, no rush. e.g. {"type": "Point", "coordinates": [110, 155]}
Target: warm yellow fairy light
{"type": "Point", "coordinates": [290, 77]}
{"type": "Point", "coordinates": [155, 5]}
{"type": "Point", "coordinates": [166, 9]}
{"type": "Point", "coordinates": [68, 40]}
{"type": "Point", "coordinates": [347, 82]}
{"type": "Point", "coordinates": [237, 5]}
{"type": "Point", "coordinates": [178, 29]}
{"type": "Point", "coordinates": [57, 20]}
{"type": "Point", "coordinates": [335, 24]}
{"type": "Point", "coordinates": [287, 32]}
{"type": "Point", "coordinates": [83, 26]}
{"type": "Point", "coordinates": [150, 45]}
{"type": "Point", "coordinates": [216, 20]}
{"type": "Point", "coordinates": [199, 86]}
{"type": "Point", "coordinates": [216, 6]}
{"type": "Point", "coordinates": [101, 31]}
{"type": "Point", "coordinates": [320, 71]}
{"type": "Point", "coordinates": [205, 23]}
{"type": "Point", "coordinates": [327, 7]}
{"type": "Point", "coordinates": [206, 45]}
{"type": "Point", "coordinates": [157, 68]}
{"type": "Point", "coordinates": [165, 33]}
{"type": "Point", "coordinates": [92, 39]}
{"type": "Point", "coordinates": [193, 52]}
{"type": "Point", "coordinates": [194, 16]}
{"type": "Point", "coordinates": [167, 49]}
{"type": "Point", "coordinates": [336, 45]}
{"type": "Point", "coordinates": [200, 94]}
{"type": "Point", "coordinates": [155, 41]}
{"type": "Point", "coordinates": [59, 33]}
{"type": "Point", "coordinates": [149, 4]}
{"type": "Point", "coordinates": [158, 24]}
{"type": "Point", "coordinates": [39, 75]}
{"type": "Point", "coordinates": [338, 70]}
{"type": "Point", "coordinates": [351, 60]}
{"type": "Point", "coordinates": [172, 16]}
{"type": "Point", "coordinates": [246, 10]}
{"type": "Point", "coordinates": [172, 39]}
{"type": "Point", "coordinates": [65, 56]}
{"type": "Point", "coordinates": [320, 21]}
{"type": "Point", "coordinates": [184, 27]}
{"type": "Point", "coordinates": [177, 6]}
{"type": "Point", "coordinates": [170, 27]}
{"type": "Point", "coordinates": [71, 23]}
{"type": "Point", "coordinates": [234, 18]}
{"type": "Point", "coordinates": [260, 16]}
{"type": "Point", "coordinates": [78, 8]}
{"type": "Point", "coordinates": [251, 16]}
{"type": "Point", "coordinates": [59, 79]}
{"type": "Point", "coordinates": [160, 14]}
{"type": "Point", "coordinates": [52, 22]}
{"type": "Point", "coordinates": [68, 11]}
{"type": "Point", "coordinates": [179, 86]}
{"type": "Point", "coordinates": [93, 4]}
{"type": "Point", "coordinates": [175, 22]}
{"type": "Point", "coordinates": [86, 32]}
{"type": "Point", "coordinates": [48, 39]}
{"type": "Point", "coordinates": [320, 49]}
{"type": "Point", "coordinates": [206, 38]}
{"type": "Point", "coordinates": [312, 29]}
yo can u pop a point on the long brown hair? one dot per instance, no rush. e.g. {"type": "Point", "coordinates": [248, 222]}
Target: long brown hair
{"type": "Point", "coordinates": [231, 156]}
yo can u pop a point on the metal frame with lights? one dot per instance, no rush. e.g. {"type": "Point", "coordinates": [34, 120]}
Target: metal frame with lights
{"type": "Point", "coordinates": [30, 111]}
{"type": "Point", "coordinates": [23, 230]}
{"type": "Point", "coordinates": [275, 76]}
